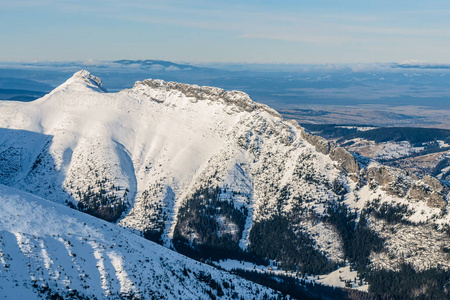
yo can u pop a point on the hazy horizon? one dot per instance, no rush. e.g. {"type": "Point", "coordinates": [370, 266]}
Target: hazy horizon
{"type": "Point", "coordinates": [392, 94]}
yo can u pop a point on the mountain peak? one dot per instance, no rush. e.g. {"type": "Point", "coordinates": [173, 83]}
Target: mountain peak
{"type": "Point", "coordinates": [81, 80]}
{"type": "Point", "coordinates": [90, 79]}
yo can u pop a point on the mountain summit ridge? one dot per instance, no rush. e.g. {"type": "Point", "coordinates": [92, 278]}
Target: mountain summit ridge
{"type": "Point", "coordinates": [197, 93]}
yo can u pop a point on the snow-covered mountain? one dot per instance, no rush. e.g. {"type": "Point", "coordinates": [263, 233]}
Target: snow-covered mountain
{"type": "Point", "coordinates": [213, 173]}
{"type": "Point", "coordinates": [47, 250]}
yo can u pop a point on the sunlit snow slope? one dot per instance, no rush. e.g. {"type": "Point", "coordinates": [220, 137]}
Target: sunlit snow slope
{"type": "Point", "coordinates": [47, 250]}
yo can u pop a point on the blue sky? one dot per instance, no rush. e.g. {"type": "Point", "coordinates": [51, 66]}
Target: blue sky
{"type": "Point", "coordinates": [320, 31]}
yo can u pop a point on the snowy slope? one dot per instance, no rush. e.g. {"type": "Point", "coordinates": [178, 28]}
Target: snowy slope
{"type": "Point", "coordinates": [165, 158]}
{"type": "Point", "coordinates": [48, 249]}
{"type": "Point", "coordinates": [148, 148]}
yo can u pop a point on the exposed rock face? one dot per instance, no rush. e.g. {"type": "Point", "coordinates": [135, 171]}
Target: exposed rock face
{"type": "Point", "coordinates": [429, 189]}
{"type": "Point", "coordinates": [419, 192]}
{"type": "Point", "coordinates": [436, 200]}
{"type": "Point", "coordinates": [434, 183]}
{"type": "Point", "coordinates": [400, 186]}
{"type": "Point", "coordinates": [397, 182]}
{"type": "Point", "coordinates": [345, 159]}
{"type": "Point", "coordinates": [321, 144]}
{"type": "Point", "coordinates": [382, 175]}
{"type": "Point", "coordinates": [393, 181]}
{"type": "Point", "coordinates": [238, 98]}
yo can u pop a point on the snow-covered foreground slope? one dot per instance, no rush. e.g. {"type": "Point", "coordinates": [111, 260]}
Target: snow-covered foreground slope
{"type": "Point", "coordinates": [47, 249]}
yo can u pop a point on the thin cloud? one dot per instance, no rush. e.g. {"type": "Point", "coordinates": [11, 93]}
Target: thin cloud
{"type": "Point", "coordinates": [332, 33]}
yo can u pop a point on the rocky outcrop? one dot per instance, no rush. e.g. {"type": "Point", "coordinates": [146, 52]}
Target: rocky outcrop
{"type": "Point", "coordinates": [239, 99]}
{"type": "Point", "coordinates": [434, 183]}
{"type": "Point", "coordinates": [347, 162]}
{"type": "Point", "coordinates": [381, 176]}
{"type": "Point", "coordinates": [419, 192]}
{"type": "Point", "coordinates": [393, 181]}
{"type": "Point", "coordinates": [429, 189]}
{"type": "Point", "coordinates": [397, 182]}
{"type": "Point", "coordinates": [89, 79]}
{"type": "Point", "coordinates": [436, 200]}
{"type": "Point", "coordinates": [321, 144]}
